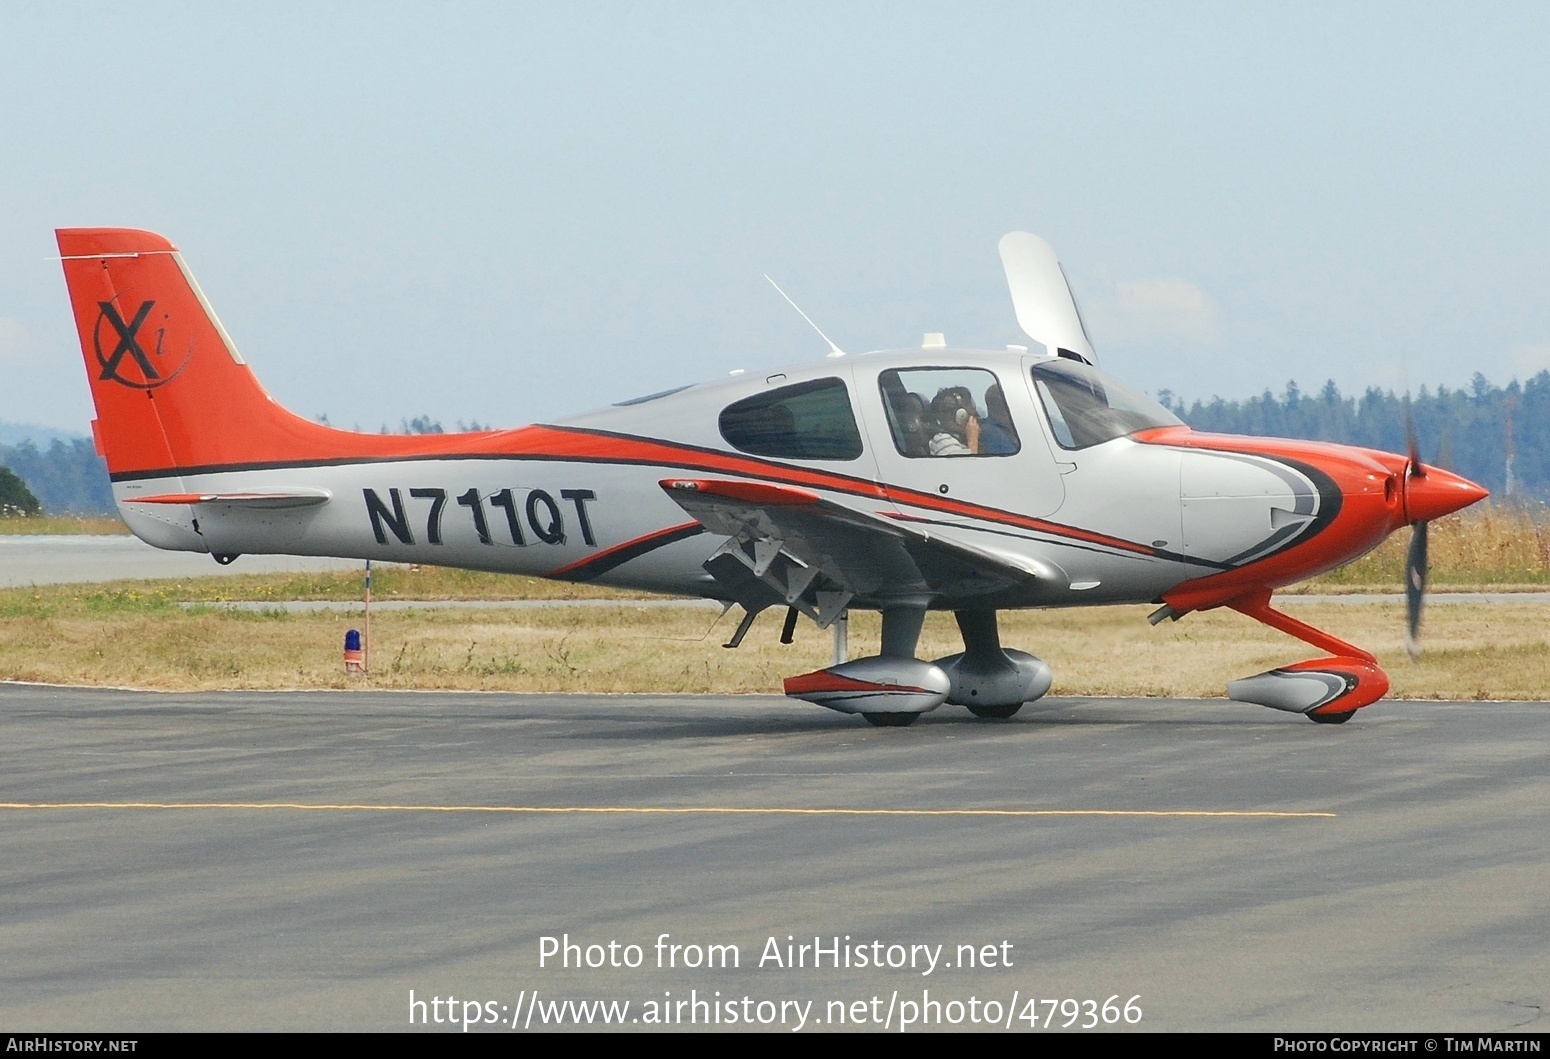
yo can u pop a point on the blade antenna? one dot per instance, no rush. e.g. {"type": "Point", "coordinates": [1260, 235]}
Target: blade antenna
{"type": "Point", "coordinates": [834, 351]}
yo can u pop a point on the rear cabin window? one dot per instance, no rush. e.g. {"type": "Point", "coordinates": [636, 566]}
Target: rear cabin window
{"type": "Point", "coordinates": [808, 421]}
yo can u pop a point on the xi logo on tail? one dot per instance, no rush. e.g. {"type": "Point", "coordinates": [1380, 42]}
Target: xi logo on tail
{"type": "Point", "coordinates": [129, 346]}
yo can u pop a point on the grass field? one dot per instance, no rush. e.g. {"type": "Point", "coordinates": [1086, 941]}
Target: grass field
{"type": "Point", "coordinates": [54, 526]}
{"type": "Point", "coordinates": [142, 633]}
{"type": "Point", "coordinates": [1488, 545]}
{"type": "Point", "coordinates": [127, 636]}
{"type": "Point", "coordinates": [388, 581]}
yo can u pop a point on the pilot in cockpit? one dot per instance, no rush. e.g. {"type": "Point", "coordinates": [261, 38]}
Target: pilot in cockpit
{"type": "Point", "coordinates": [956, 421]}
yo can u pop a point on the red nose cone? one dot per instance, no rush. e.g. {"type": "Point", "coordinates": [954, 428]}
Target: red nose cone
{"type": "Point", "coordinates": [1438, 493]}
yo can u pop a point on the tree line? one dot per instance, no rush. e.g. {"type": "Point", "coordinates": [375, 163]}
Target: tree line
{"type": "Point", "coordinates": [67, 477]}
{"type": "Point", "coordinates": [1465, 430]}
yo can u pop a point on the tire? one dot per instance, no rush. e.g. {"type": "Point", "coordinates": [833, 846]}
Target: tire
{"type": "Point", "coordinates": [1331, 718]}
{"type": "Point", "coordinates": [891, 720]}
{"type": "Point", "coordinates": [995, 713]}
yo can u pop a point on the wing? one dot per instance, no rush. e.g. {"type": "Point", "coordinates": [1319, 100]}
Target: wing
{"type": "Point", "coordinates": [788, 546]}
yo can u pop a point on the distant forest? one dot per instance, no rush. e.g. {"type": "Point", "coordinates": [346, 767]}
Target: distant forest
{"type": "Point", "coordinates": [1465, 429]}
{"type": "Point", "coordinates": [67, 477]}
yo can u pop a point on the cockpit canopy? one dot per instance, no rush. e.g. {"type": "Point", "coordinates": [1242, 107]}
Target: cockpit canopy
{"type": "Point", "coordinates": [936, 410]}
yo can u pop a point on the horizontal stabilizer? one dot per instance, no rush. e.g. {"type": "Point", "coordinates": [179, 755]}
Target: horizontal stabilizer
{"type": "Point", "coordinates": [288, 498]}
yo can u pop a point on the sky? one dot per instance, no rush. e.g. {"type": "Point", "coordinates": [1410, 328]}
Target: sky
{"type": "Point", "coordinates": [506, 213]}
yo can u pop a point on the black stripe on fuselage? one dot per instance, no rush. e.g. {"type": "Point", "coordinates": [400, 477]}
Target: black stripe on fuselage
{"type": "Point", "coordinates": [599, 565]}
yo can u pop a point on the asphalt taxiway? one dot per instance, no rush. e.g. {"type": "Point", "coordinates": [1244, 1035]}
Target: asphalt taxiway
{"type": "Point", "coordinates": [245, 860]}
{"type": "Point", "coordinates": [71, 558]}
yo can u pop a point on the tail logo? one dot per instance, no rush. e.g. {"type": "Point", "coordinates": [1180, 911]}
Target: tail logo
{"type": "Point", "coordinates": [128, 347]}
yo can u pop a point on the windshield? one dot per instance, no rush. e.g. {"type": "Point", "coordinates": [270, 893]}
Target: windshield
{"type": "Point", "coordinates": [1086, 407]}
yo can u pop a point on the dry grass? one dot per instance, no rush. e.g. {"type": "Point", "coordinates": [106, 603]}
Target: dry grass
{"type": "Point", "coordinates": [63, 525]}
{"type": "Point", "coordinates": [1487, 545]}
{"type": "Point", "coordinates": [122, 638]}
{"type": "Point", "coordinates": [135, 633]}
{"type": "Point", "coordinates": [388, 581]}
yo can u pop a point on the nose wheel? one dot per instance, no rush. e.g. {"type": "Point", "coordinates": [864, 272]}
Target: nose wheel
{"type": "Point", "coordinates": [994, 713]}
{"type": "Point", "coordinates": [1331, 718]}
{"type": "Point", "coordinates": [891, 720]}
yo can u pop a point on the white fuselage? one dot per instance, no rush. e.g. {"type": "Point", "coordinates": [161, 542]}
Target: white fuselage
{"type": "Point", "coordinates": [1123, 520]}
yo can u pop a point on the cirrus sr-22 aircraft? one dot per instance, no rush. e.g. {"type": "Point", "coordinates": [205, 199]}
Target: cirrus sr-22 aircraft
{"type": "Point", "coordinates": [899, 481]}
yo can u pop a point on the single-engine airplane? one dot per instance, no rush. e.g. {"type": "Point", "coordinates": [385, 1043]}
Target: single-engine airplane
{"type": "Point", "coordinates": [899, 481]}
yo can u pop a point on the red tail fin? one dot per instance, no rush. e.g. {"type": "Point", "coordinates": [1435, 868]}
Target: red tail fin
{"type": "Point", "coordinates": [171, 390]}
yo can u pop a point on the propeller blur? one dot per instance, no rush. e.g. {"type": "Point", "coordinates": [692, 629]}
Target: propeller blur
{"type": "Point", "coordinates": [899, 481]}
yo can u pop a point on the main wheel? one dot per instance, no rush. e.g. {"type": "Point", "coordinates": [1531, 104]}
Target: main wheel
{"type": "Point", "coordinates": [1331, 718]}
{"type": "Point", "coordinates": [995, 713]}
{"type": "Point", "coordinates": [891, 720]}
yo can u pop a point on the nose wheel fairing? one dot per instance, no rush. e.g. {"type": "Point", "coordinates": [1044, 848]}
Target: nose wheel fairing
{"type": "Point", "coordinates": [1326, 690]}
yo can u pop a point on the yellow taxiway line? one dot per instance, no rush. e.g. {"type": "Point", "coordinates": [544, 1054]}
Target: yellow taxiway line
{"type": "Point", "coordinates": [665, 810]}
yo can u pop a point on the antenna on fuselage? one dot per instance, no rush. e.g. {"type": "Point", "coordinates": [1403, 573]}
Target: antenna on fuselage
{"type": "Point", "coordinates": [834, 351]}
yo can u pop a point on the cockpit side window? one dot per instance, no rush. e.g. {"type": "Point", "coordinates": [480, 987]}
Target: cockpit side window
{"type": "Point", "coordinates": [948, 412]}
{"type": "Point", "coordinates": [807, 421]}
{"type": "Point", "coordinates": [1087, 408]}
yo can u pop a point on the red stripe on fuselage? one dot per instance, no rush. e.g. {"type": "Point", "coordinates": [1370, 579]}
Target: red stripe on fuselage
{"type": "Point", "coordinates": [593, 446]}
{"type": "Point", "coordinates": [625, 448]}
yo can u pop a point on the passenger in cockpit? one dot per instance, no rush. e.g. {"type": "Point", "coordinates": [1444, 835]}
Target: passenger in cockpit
{"type": "Point", "coordinates": [997, 435]}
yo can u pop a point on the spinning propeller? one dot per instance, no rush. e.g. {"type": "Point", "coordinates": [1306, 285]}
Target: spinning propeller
{"type": "Point", "coordinates": [1415, 558]}
{"type": "Point", "coordinates": [1430, 492]}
